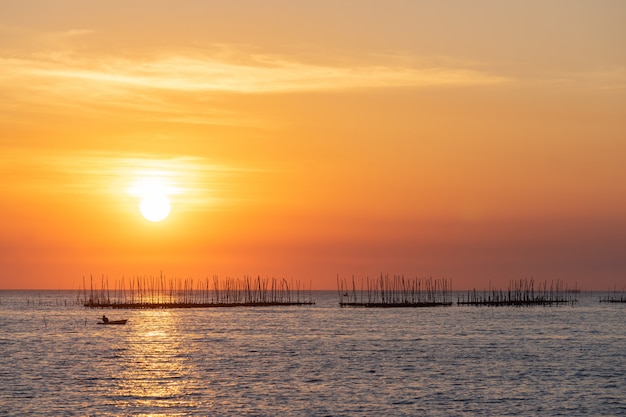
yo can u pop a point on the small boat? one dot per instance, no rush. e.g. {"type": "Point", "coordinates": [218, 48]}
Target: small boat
{"type": "Point", "coordinates": [113, 322]}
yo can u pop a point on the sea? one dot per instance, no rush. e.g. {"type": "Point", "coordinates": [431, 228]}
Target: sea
{"type": "Point", "coordinates": [317, 360]}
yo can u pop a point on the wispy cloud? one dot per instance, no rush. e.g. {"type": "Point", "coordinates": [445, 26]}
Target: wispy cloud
{"type": "Point", "coordinates": [264, 75]}
{"type": "Point", "coordinates": [174, 86]}
{"type": "Point", "coordinates": [232, 70]}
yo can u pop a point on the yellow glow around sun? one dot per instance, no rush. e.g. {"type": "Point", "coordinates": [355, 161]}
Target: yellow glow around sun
{"type": "Point", "coordinates": [153, 190]}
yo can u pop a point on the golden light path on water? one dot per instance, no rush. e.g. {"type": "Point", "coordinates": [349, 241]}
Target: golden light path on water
{"type": "Point", "coordinates": [157, 372]}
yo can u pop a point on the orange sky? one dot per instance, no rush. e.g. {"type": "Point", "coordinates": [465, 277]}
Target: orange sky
{"type": "Point", "coordinates": [476, 141]}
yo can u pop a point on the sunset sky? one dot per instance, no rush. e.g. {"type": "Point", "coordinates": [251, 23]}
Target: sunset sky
{"type": "Point", "coordinates": [478, 141]}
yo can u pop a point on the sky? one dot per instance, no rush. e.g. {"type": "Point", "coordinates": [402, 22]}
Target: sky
{"type": "Point", "coordinates": [480, 142]}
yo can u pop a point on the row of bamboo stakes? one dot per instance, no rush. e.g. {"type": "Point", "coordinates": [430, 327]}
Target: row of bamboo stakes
{"type": "Point", "coordinates": [395, 291]}
{"type": "Point", "coordinates": [614, 296]}
{"type": "Point", "coordinates": [522, 292]}
{"type": "Point", "coordinates": [398, 291]}
{"type": "Point", "coordinates": [162, 292]}
{"type": "Point", "coordinates": [385, 291]}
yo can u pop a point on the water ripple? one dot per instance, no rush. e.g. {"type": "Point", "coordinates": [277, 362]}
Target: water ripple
{"type": "Point", "coordinates": [313, 361]}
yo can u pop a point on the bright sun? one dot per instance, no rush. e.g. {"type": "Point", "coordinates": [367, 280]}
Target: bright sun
{"type": "Point", "coordinates": [153, 192]}
{"type": "Point", "coordinates": [155, 207]}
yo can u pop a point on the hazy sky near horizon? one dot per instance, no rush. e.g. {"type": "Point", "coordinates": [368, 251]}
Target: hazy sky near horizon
{"type": "Point", "coordinates": [476, 141]}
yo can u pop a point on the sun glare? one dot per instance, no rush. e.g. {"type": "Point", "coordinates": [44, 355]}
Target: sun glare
{"type": "Point", "coordinates": [153, 191]}
{"type": "Point", "coordinates": [155, 207]}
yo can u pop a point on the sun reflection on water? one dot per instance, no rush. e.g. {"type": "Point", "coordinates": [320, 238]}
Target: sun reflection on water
{"type": "Point", "coordinates": [157, 374]}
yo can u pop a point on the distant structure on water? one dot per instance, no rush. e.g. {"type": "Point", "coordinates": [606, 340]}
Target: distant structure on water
{"type": "Point", "coordinates": [398, 291]}
{"type": "Point", "coordinates": [521, 293]}
{"type": "Point", "coordinates": [161, 292]}
{"type": "Point", "coordinates": [395, 291]}
{"type": "Point", "coordinates": [613, 296]}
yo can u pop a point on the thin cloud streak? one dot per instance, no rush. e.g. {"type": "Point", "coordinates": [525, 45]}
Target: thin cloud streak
{"type": "Point", "coordinates": [263, 75]}
{"type": "Point", "coordinates": [62, 79]}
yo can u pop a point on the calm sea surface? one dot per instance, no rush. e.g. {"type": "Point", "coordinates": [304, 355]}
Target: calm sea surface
{"type": "Point", "coordinates": [318, 360]}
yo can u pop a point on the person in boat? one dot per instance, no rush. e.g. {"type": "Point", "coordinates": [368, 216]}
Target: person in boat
{"type": "Point", "coordinates": [105, 319]}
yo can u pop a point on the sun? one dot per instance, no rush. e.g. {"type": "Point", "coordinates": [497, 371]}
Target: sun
{"type": "Point", "coordinates": [153, 192]}
{"type": "Point", "coordinates": [155, 207]}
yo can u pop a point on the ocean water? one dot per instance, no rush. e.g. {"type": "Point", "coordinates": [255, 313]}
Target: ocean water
{"type": "Point", "coordinates": [319, 360]}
